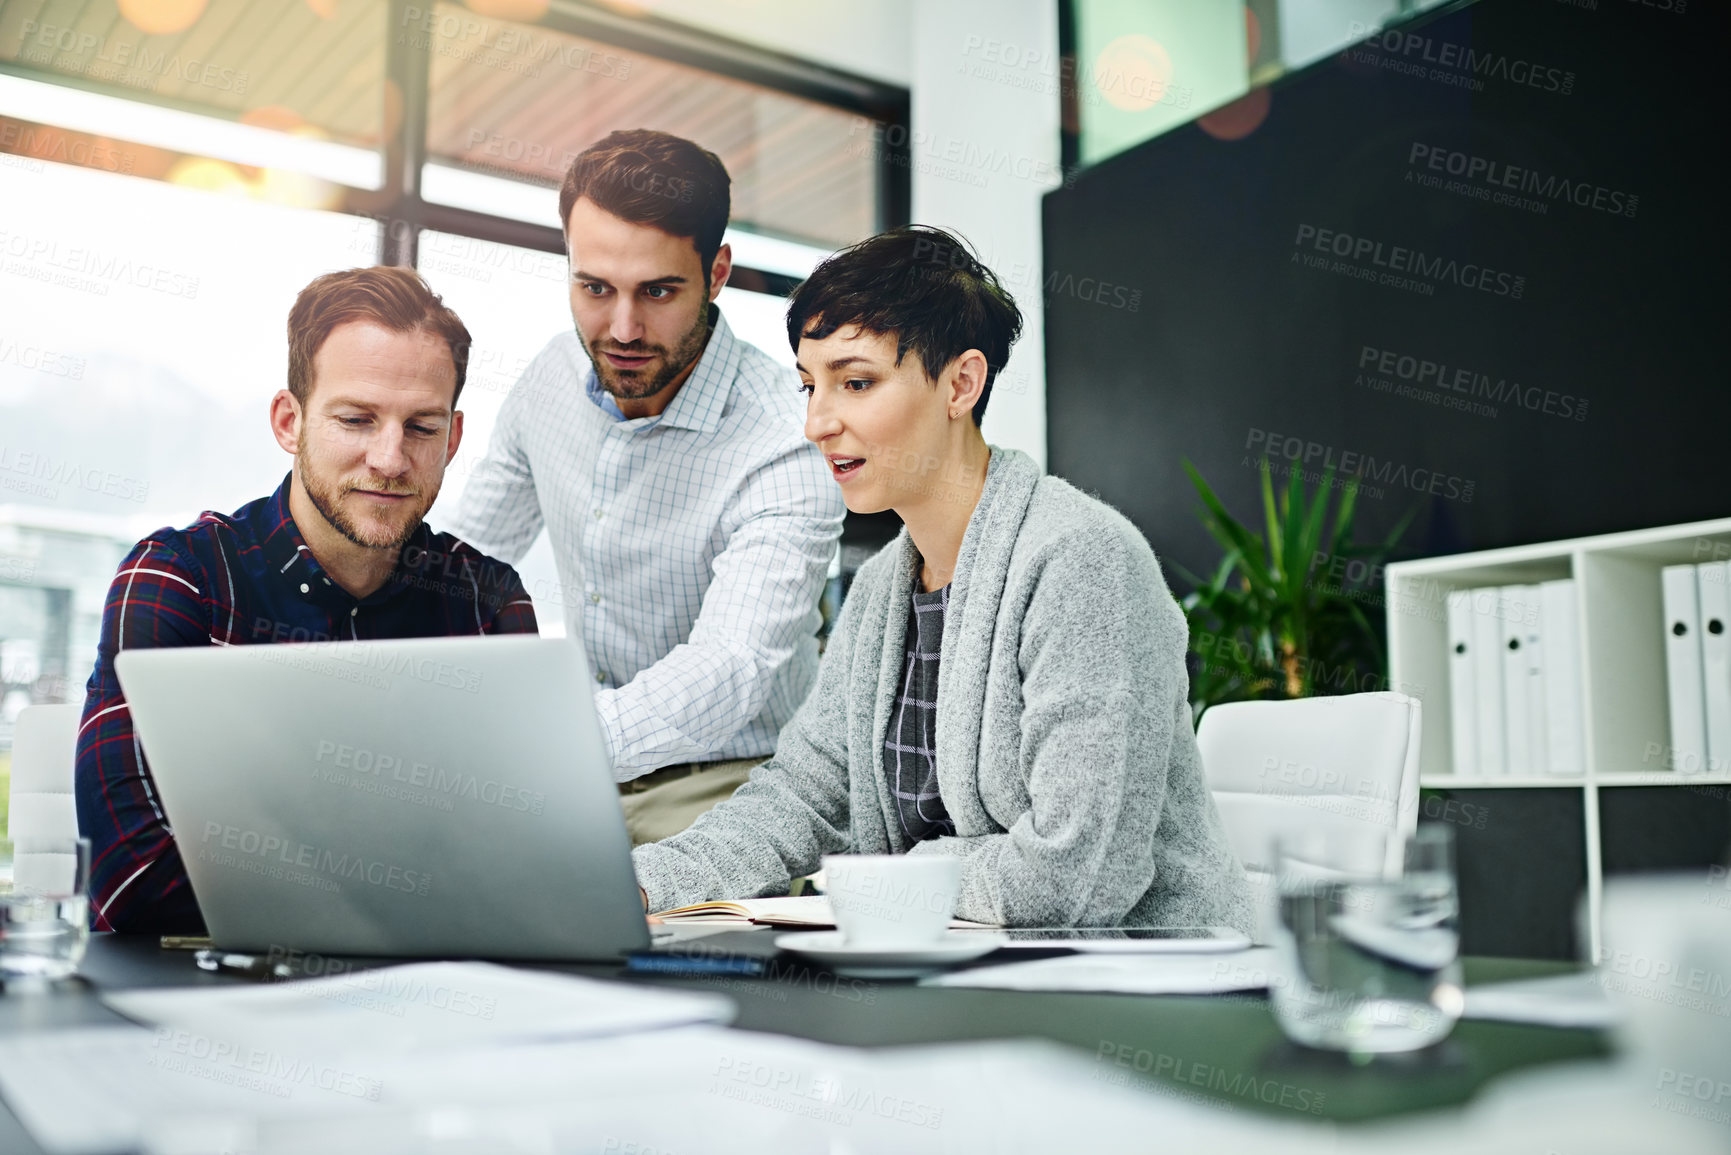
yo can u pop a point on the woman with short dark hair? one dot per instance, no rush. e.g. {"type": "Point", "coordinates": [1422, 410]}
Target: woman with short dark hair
{"type": "Point", "coordinates": [1006, 681]}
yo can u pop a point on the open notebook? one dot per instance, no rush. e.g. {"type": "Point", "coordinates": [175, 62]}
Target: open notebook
{"type": "Point", "coordinates": [807, 913]}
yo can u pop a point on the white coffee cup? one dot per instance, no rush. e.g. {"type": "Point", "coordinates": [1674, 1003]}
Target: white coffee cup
{"type": "Point", "coordinates": [892, 901]}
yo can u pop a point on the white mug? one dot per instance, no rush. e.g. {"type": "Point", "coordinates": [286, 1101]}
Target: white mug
{"type": "Point", "coordinates": [892, 901]}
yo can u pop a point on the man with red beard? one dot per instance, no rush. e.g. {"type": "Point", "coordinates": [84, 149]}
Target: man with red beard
{"type": "Point", "coordinates": [340, 552]}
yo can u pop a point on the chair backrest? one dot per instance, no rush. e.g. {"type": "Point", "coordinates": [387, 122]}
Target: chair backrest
{"type": "Point", "coordinates": [1332, 763]}
{"type": "Point", "coordinates": [44, 751]}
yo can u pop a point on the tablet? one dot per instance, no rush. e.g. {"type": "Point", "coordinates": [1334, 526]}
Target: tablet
{"type": "Point", "coordinates": [1127, 939]}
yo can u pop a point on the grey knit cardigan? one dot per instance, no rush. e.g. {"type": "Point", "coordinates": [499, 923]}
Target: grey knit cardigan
{"type": "Point", "coordinates": [1065, 750]}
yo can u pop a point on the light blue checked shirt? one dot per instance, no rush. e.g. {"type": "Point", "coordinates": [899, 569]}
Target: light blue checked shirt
{"type": "Point", "coordinates": [691, 547]}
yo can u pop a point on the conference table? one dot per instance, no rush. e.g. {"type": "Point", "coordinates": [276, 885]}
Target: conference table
{"type": "Point", "coordinates": [1166, 1038]}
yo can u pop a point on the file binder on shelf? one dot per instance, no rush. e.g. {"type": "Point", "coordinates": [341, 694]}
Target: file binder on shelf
{"type": "Point", "coordinates": [1517, 622]}
{"type": "Point", "coordinates": [1681, 603]}
{"type": "Point", "coordinates": [1537, 670]}
{"type": "Point", "coordinates": [1488, 681]}
{"type": "Point", "coordinates": [1564, 744]}
{"type": "Point", "coordinates": [1715, 606]}
{"type": "Point", "coordinates": [1463, 709]}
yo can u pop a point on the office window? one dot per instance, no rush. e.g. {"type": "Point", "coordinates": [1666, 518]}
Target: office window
{"type": "Point", "coordinates": [140, 344]}
{"type": "Point", "coordinates": [522, 101]}
{"type": "Point", "coordinates": [317, 66]}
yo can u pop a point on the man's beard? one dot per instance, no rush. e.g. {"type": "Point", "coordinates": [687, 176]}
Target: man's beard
{"type": "Point", "coordinates": [326, 499]}
{"type": "Point", "coordinates": [636, 384]}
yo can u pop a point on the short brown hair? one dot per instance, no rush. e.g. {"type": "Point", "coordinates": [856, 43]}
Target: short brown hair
{"type": "Point", "coordinates": [393, 298]}
{"type": "Point", "coordinates": [657, 179]}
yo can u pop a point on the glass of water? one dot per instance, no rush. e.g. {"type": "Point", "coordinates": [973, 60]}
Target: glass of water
{"type": "Point", "coordinates": [1369, 939]}
{"type": "Point", "coordinates": [44, 911]}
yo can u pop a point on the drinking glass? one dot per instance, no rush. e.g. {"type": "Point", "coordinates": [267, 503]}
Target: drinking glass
{"type": "Point", "coordinates": [44, 925]}
{"type": "Point", "coordinates": [1370, 956]}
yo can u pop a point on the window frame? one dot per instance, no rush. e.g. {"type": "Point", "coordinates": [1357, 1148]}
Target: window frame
{"type": "Point", "coordinates": [404, 213]}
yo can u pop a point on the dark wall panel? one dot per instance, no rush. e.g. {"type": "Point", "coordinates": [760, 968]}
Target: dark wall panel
{"type": "Point", "coordinates": [1207, 299]}
{"type": "Point", "coordinates": [1644, 828]}
{"type": "Point", "coordinates": [1521, 857]}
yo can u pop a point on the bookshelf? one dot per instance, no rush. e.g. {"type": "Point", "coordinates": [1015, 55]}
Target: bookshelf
{"type": "Point", "coordinates": [1620, 629]}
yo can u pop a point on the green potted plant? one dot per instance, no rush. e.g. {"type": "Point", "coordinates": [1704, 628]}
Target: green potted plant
{"type": "Point", "coordinates": [1279, 618]}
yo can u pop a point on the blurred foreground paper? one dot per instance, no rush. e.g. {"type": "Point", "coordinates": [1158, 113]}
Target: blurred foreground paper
{"type": "Point", "coordinates": [420, 1005]}
{"type": "Point", "coordinates": [695, 1089]}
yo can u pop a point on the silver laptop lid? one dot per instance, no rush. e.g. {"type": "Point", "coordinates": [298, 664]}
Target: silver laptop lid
{"type": "Point", "coordinates": [428, 797]}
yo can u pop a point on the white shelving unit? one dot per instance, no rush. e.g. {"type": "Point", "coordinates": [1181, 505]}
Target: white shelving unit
{"type": "Point", "coordinates": [1621, 632]}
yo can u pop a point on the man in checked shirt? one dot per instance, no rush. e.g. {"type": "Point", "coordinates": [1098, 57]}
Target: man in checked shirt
{"type": "Point", "coordinates": [692, 523]}
{"type": "Point", "coordinates": [339, 552]}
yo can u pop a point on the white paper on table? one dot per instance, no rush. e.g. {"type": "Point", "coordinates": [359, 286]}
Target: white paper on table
{"type": "Point", "coordinates": [419, 1006]}
{"type": "Point", "coordinates": [1142, 974]}
{"type": "Point", "coordinates": [90, 1091]}
{"type": "Point", "coordinates": [1571, 1000]}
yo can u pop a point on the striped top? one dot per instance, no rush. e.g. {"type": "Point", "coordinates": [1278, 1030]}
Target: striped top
{"type": "Point", "coordinates": [240, 579]}
{"type": "Point", "coordinates": [911, 742]}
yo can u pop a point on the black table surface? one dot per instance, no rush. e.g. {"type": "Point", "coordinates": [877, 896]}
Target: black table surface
{"type": "Point", "coordinates": [1208, 1044]}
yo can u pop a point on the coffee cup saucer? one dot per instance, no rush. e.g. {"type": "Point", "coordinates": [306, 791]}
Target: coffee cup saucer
{"type": "Point", "coordinates": [831, 948]}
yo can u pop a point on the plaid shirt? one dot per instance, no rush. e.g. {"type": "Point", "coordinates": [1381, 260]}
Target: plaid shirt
{"type": "Point", "coordinates": [230, 580]}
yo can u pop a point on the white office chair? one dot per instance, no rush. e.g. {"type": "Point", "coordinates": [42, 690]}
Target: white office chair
{"type": "Point", "coordinates": [1331, 764]}
{"type": "Point", "coordinates": [44, 751]}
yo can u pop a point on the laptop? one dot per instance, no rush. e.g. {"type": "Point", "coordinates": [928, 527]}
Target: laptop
{"type": "Point", "coordinates": [434, 797]}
